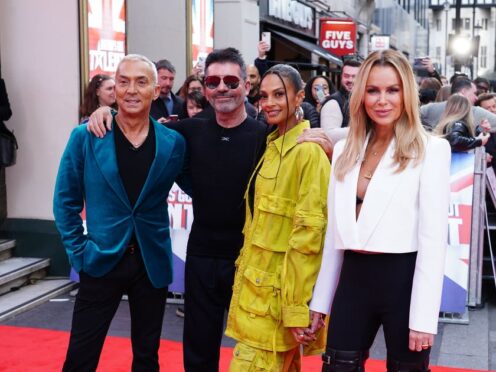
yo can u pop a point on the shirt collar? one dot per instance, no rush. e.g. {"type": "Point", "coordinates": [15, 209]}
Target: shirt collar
{"type": "Point", "coordinates": [289, 138]}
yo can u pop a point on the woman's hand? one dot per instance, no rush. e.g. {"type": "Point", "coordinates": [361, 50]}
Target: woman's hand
{"type": "Point", "coordinates": [484, 137]}
{"type": "Point", "coordinates": [302, 335]}
{"type": "Point", "coordinates": [419, 341]}
{"type": "Point", "coordinates": [318, 136]}
{"type": "Point", "coordinates": [100, 120]}
{"type": "Point", "coordinates": [317, 321]}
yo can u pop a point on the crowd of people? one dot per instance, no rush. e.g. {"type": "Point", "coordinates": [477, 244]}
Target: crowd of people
{"type": "Point", "coordinates": [297, 254]}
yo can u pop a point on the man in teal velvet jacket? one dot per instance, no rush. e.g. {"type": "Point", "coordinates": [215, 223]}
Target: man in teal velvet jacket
{"type": "Point", "coordinates": [123, 180]}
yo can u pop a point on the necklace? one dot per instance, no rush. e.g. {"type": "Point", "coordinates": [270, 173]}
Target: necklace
{"type": "Point", "coordinates": [371, 161]}
{"type": "Point", "coordinates": [136, 140]}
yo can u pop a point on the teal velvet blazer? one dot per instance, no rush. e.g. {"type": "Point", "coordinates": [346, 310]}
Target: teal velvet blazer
{"type": "Point", "coordinates": [88, 176]}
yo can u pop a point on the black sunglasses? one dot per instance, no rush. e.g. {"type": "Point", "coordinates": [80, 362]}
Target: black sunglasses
{"type": "Point", "coordinates": [230, 81]}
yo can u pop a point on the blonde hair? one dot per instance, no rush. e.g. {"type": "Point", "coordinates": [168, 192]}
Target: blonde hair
{"type": "Point", "coordinates": [458, 108]}
{"type": "Point", "coordinates": [409, 134]}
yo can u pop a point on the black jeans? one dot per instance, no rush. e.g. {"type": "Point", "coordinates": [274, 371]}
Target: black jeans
{"type": "Point", "coordinates": [374, 289]}
{"type": "Point", "coordinates": [208, 290]}
{"type": "Point", "coordinates": [96, 304]}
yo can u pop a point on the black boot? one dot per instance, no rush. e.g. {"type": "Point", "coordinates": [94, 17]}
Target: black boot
{"type": "Point", "coordinates": [397, 366]}
{"type": "Point", "coordinates": [344, 361]}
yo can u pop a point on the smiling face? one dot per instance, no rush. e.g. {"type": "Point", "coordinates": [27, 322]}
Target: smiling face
{"type": "Point", "coordinates": [134, 88]}
{"type": "Point", "coordinates": [489, 105]}
{"type": "Point", "coordinates": [348, 76]}
{"type": "Point", "coordinates": [383, 99]}
{"type": "Point", "coordinates": [279, 110]}
{"type": "Point", "coordinates": [106, 93]}
{"type": "Point", "coordinates": [222, 98]}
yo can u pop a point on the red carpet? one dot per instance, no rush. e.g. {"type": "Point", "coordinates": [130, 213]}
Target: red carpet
{"type": "Point", "coordinates": [41, 350]}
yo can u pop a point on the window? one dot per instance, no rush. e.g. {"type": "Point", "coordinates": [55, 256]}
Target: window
{"type": "Point", "coordinates": [453, 23]}
{"type": "Point", "coordinates": [438, 24]}
{"type": "Point", "coordinates": [438, 53]}
{"type": "Point", "coordinates": [466, 23]}
{"type": "Point", "coordinates": [483, 56]}
{"type": "Point", "coordinates": [484, 24]}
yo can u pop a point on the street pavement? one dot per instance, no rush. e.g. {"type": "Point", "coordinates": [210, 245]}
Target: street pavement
{"type": "Point", "coordinates": [471, 346]}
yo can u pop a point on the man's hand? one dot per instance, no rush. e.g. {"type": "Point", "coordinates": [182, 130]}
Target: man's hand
{"type": "Point", "coordinates": [263, 48]}
{"type": "Point", "coordinates": [427, 63]}
{"type": "Point", "coordinates": [100, 121]}
{"type": "Point", "coordinates": [318, 136]}
{"type": "Point", "coordinates": [163, 120]}
{"type": "Point", "coordinates": [419, 341]}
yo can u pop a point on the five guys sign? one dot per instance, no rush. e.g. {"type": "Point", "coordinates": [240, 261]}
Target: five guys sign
{"type": "Point", "coordinates": [338, 36]}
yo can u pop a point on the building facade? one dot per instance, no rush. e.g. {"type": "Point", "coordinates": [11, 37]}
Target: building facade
{"type": "Point", "coordinates": [478, 19]}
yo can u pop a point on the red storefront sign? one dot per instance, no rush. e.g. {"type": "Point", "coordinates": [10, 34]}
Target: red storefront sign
{"type": "Point", "coordinates": [338, 36]}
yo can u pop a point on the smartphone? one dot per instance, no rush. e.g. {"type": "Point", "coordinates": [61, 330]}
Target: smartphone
{"type": "Point", "coordinates": [173, 117]}
{"type": "Point", "coordinates": [266, 38]}
{"type": "Point", "coordinates": [321, 96]}
{"type": "Point", "coordinates": [201, 63]}
{"type": "Point", "coordinates": [419, 67]}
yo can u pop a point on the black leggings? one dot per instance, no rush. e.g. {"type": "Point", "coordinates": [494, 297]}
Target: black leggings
{"type": "Point", "coordinates": [374, 289]}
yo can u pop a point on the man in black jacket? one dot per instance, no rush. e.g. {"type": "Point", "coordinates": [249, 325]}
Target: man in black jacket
{"type": "Point", "coordinates": [167, 104]}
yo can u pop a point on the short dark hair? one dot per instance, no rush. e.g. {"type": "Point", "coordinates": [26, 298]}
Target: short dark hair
{"type": "Point", "coordinates": [351, 63]}
{"type": "Point", "coordinates": [231, 55]}
{"type": "Point", "coordinates": [459, 84]}
{"type": "Point", "coordinates": [196, 97]}
{"type": "Point", "coordinates": [484, 97]}
{"type": "Point", "coordinates": [481, 79]}
{"type": "Point", "coordinates": [165, 64]}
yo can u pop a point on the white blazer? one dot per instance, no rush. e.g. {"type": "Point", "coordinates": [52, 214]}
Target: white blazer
{"type": "Point", "coordinates": [401, 212]}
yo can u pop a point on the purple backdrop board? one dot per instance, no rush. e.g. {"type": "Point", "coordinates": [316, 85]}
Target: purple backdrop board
{"type": "Point", "coordinates": [455, 286]}
{"type": "Point", "coordinates": [181, 218]}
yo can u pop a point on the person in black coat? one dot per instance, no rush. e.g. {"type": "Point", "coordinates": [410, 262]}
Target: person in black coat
{"type": "Point", "coordinates": [5, 111]}
{"type": "Point", "coordinates": [167, 104]}
{"type": "Point", "coordinates": [457, 125]}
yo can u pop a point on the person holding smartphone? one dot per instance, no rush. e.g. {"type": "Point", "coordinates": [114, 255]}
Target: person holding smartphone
{"type": "Point", "coordinates": [167, 107]}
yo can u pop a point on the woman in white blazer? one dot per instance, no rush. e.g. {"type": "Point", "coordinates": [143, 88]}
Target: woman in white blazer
{"type": "Point", "coordinates": [386, 240]}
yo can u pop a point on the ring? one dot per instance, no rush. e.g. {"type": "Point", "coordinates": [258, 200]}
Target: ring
{"type": "Point", "coordinates": [425, 346]}
{"type": "Point", "coordinates": [301, 335]}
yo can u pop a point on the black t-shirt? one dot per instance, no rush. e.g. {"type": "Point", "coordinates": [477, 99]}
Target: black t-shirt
{"type": "Point", "coordinates": [134, 163]}
{"type": "Point", "coordinates": [220, 163]}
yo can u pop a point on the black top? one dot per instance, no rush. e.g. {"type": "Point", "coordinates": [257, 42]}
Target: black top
{"type": "Point", "coordinates": [220, 163]}
{"type": "Point", "coordinates": [5, 112]}
{"type": "Point", "coordinates": [459, 138]}
{"type": "Point", "coordinates": [134, 163]}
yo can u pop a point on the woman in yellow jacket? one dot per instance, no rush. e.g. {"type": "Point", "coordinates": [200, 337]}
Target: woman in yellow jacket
{"type": "Point", "coordinates": [286, 211]}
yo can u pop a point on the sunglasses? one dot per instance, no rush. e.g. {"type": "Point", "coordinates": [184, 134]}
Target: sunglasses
{"type": "Point", "coordinates": [230, 81]}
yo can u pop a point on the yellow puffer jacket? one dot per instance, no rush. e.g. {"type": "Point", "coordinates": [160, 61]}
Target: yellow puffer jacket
{"type": "Point", "coordinates": [280, 259]}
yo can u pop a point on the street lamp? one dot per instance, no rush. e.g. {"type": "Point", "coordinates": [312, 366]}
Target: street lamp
{"type": "Point", "coordinates": [446, 7]}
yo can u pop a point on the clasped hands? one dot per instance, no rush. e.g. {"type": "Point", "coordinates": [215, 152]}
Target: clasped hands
{"type": "Point", "coordinates": [307, 335]}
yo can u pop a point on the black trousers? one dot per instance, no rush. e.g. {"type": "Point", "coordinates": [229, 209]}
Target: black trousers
{"type": "Point", "coordinates": [374, 289]}
{"type": "Point", "coordinates": [208, 290]}
{"type": "Point", "coordinates": [96, 304]}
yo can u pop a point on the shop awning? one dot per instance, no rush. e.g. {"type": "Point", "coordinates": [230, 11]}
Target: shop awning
{"type": "Point", "coordinates": [313, 48]}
